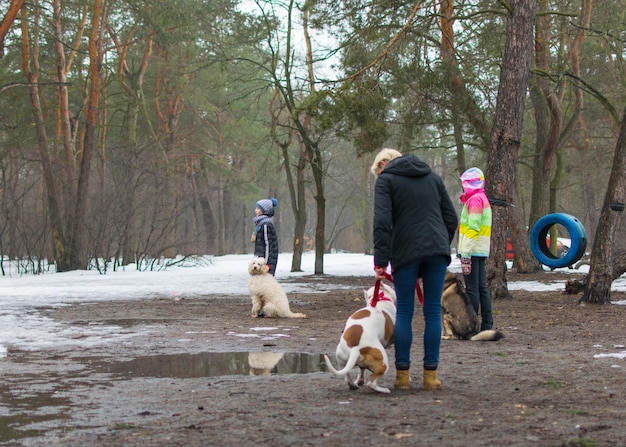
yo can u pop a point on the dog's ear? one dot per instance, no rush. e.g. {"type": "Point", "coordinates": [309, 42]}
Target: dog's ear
{"type": "Point", "coordinates": [265, 268]}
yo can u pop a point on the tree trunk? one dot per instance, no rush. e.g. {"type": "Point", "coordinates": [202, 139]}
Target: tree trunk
{"type": "Point", "coordinates": [8, 19]}
{"type": "Point", "coordinates": [540, 109]}
{"type": "Point", "coordinates": [506, 134]}
{"type": "Point", "coordinates": [463, 103]}
{"type": "Point", "coordinates": [77, 225]}
{"type": "Point", "coordinates": [63, 64]}
{"type": "Point", "coordinates": [295, 184]}
{"type": "Point", "coordinates": [525, 261]}
{"type": "Point", "coordinates": [209, 221]}
{"type": "Point", "coordinates": [320, 200]}
{"type": "Point", "coordinates": [132, 84]}
{"type": "Point", "coordinates": [591, 219]}
{"type": "Point", "coordinates": [30, 66]}
{"type": "Point", "coordinates": [300, 214]}
{"type": "Point", "coordinates": [598, 288]}
{"type": "Point", "coordinates": [315, 154]}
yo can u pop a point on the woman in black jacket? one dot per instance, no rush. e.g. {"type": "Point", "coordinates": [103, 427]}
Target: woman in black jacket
{"type": "Point", "coordinates": [414, 224]}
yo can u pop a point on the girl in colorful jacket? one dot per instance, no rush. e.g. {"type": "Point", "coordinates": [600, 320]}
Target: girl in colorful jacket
{"type": "Point", "coordinates": [475, 242]}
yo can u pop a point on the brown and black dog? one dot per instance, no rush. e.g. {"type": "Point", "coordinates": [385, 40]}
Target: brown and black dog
{"type": "Point", "coordinates": [459, 319]}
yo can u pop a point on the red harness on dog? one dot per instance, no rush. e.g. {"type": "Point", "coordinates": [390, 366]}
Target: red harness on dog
{"type": "Point", "coordinates": [379, 296]}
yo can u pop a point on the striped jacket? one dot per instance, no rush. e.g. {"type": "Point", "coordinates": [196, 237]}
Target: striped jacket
{"type": "Point", "coordinates": [475, 224]}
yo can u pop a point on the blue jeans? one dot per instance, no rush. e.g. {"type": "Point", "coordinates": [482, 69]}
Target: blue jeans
{"type": "Point", "coordinates": [478, 292]}
{"type": "Point", "coordinates": [432, 270]}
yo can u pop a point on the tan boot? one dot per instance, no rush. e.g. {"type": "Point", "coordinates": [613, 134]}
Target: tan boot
{"type": "Point", "coordinates": [431, 382]}
{"type": "Point", "coordinates": [403, 380]}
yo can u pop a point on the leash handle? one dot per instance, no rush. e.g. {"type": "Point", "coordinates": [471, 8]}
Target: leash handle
{"type": "Point", "coordinates": [374, 300]}
{"type": "Point", "coordinates": [388, 277]}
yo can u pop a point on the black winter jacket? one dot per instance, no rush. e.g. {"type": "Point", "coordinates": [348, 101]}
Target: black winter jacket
{"type": "Point", "coordinates": [413, 214]}
{"type": "Point", "coordinates": [266, 245]}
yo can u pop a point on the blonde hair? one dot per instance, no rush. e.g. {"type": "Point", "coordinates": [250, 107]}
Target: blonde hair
{"type": "Point", "coordinates": [386, 154]}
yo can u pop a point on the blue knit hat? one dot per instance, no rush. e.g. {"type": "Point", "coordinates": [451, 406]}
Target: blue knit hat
{"type": "Point", "coordinates": [267, 206]}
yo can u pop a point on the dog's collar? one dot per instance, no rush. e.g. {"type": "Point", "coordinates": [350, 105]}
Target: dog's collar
{"type": "Point", "coordinates": [381, 297]}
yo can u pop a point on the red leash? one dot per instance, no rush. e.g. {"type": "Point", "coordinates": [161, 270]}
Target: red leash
{"type": "Point", "coordinates": [388, 277]}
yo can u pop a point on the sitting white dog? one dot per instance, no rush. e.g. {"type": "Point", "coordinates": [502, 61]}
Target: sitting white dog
{"type": "Point", "coordinates": [367, 335]}
{"type": "Point", "coordinates": [266, 293]}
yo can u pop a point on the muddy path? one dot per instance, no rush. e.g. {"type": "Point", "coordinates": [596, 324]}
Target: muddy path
{"type": "Point", "coordinates": [201, 372]}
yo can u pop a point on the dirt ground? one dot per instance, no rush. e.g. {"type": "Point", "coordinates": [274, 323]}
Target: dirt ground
{"type": "Point", "coordinates": [179, 374]}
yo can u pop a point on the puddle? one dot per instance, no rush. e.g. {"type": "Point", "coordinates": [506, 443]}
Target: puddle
{"type": "Point", "coordinates": [214, 364]}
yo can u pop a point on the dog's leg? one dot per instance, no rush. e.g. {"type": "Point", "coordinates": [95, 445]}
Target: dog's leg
{"type": "Point", "coordinates": [256, 306]}
{"type": "Point", "coordinates": [360, 380]}
{"type": "Point", "coordinates": [377, 374]}
{"type": "Point", "coordinates": [351, 384]}
{"type": "Point", "coordinates": [377, 361]}
{"type": "Point", "coordinates": [447, 332]}
{"type": "Point", "coordinates": [271, 311]}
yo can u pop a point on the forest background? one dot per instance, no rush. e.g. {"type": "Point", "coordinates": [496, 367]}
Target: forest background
{"type": "Point", "coordinates": [137, 131]}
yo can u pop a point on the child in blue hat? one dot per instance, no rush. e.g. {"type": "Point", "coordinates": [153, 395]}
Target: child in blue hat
{"type": "Point", "coordinates": [264, 237]}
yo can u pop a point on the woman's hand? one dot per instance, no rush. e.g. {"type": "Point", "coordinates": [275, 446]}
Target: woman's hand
{"type": "Point", "coordinates": [380, 272]}
{"type": "Point", "coordinates": [466, 266]}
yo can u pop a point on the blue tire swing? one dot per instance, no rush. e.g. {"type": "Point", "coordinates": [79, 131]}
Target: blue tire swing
{"type": "Point", "coordinates": [539, 233]}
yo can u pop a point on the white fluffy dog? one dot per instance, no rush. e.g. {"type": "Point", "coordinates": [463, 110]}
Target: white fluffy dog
{"type": "Point", "coordinates": [367, 335]}
{"type": "Point", "coordinates": [266, 293]}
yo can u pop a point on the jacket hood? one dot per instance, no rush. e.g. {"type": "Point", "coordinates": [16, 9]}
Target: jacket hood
{"type": "Point", "coordinates": [407, 166]}
{"type": "Point", "coordinates": [473, 180]}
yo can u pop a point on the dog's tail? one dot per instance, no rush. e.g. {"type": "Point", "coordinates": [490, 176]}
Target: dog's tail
{"type": "Point", "coordinates": [297, 315]}
{"type": "Point", "coordinates": [489, 335]}
{"type": "Point", "coordinates": [351, 363]}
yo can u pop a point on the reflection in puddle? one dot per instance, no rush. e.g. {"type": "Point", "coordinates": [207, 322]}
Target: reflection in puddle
{"type": "Point", "coordinates": [213, 364]}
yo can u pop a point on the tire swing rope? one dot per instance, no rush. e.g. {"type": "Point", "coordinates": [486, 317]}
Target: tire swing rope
{"type": "Point", "coordinates": [539, 234]}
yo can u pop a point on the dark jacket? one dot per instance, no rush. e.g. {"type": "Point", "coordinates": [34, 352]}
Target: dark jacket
{"type": "Point", "coordinates": [266, 245]}
{"type": "Point", "coordinates": [413, 214]}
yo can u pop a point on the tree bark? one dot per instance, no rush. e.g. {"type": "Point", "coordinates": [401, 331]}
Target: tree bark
{"type": "Point", "coordinates": [525, 261]}
{"type": "Point", "coordinates": [63, 64]}
{"type": "Point", "coordinates": [77, 257]}
{"type": "Point", "coordinates": [132, 83]}
{"type": "Point", "coordinates": [30, 67]}
{"type": "Point", "coordinates": [591, 218]}
{"type": "Point", "coordinates": [8, 19]}
{"type": "Point", "coordinates": [315, 154]}
{"type": "Point", "coordinates": [506, 134]}
{"type": "Point", "coordinates": [295, 183]}
{"type": "Point", "coordinates": [320, 201]}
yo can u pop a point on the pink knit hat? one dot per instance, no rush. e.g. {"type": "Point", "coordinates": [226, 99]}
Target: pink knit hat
{"type": "Point", "coordinates": [473, 178]}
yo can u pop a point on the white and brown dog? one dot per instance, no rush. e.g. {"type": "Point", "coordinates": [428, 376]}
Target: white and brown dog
{"type": "Point", "coordinates": [367, 335]}
{"type": "Point", "coordinates": [266, 293]}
